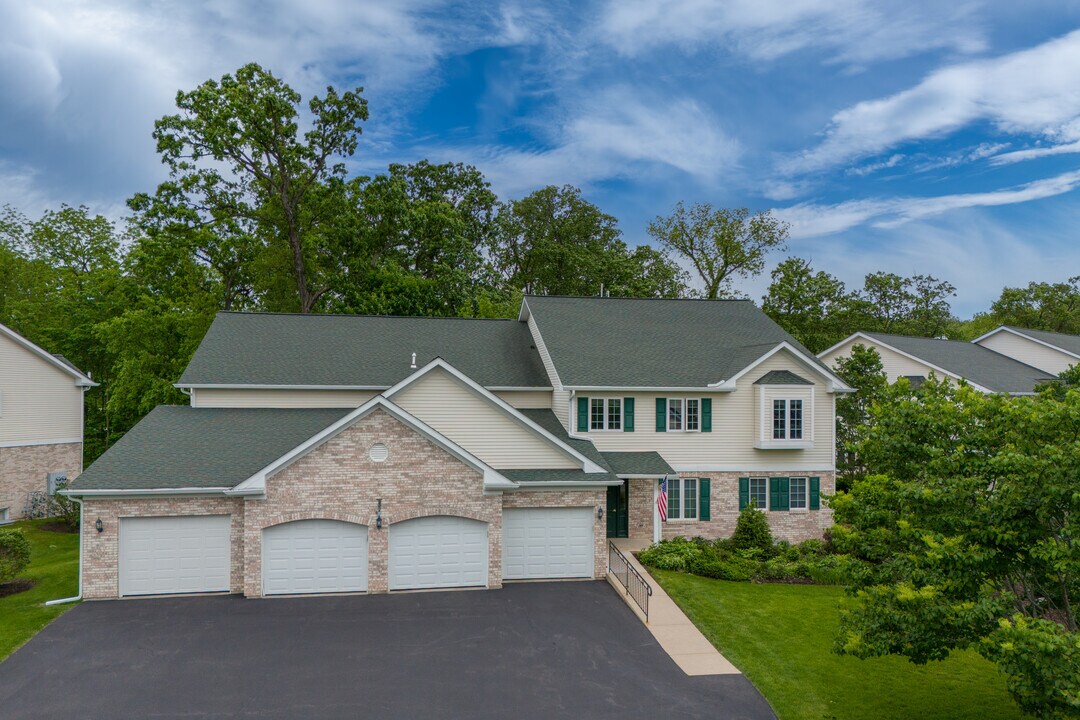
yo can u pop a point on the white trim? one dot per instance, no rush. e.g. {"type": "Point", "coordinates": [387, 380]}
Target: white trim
{"type": "Point", "coordinates": [605, 399]}
{"type": "Point", "coordinates": [134, 492]}
{"type": "Point", "coordinates": [587, 465]}
{"type": "Point", "coordinates": [656, 524]}
{"type": "Point", "coordinates": [379, 388]}
{"type": "Point", "coordinates": [564, 484]}
{"type": "Point", "coordinates": [524, 315]}
{"type": "Point", "coordinates": [511, 388]}
{"type": "Point", "coordinates": [1019, 333]}
{"type": "Point", "coordinates": [80, 379]}
{"type": "Point", "coordinates": [256, 484]}
{"type": "Point", "coordinates": [836, 384]}
{"type": "Point", "coordinates": [29, 443]}
{"type": "Point", "coordinates": [917, 359]}
{"type": "Point", "coordinates": [645, 390]}
{"type": "Point", "coordinates": [639, 476]}
{"type": "Point", "coordinates": [771, 468]}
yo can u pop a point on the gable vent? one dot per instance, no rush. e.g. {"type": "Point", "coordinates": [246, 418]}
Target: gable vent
{"type": "Point", "coordinates": [378, 453]}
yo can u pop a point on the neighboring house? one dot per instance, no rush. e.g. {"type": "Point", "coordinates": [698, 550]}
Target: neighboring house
{"type": "Point", "coordinates": [329, 453]}
{"type": "Point", "coordinates": [916, 358]}
{"type": "Point", "coordinates": [1049, 351]}
{"type": "Point", "coordinates": [41, 421]}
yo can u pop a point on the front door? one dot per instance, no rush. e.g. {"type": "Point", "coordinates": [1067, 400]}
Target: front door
{"type": "Point", "coordinates": [618, 512]}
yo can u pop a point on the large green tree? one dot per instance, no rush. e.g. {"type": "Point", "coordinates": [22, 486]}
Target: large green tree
{"type": "Point", "coordinates": [1041, 306]}
{"type": "Point", "coordinates": [863, 371]}
{"type": "Point", "coordinates": [808, 304]}
{"type": "Point", "coordinates": [890, 303]}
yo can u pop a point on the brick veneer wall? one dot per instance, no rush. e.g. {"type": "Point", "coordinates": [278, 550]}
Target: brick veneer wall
{"type": "Point", "coordinates": [101, 550]}
{"type": "Point", "coordinates": [569, 498]}
{"type": "Point", "coordinates": [24, 470]}
{"type": "Point", "coordinates": [641, 508]}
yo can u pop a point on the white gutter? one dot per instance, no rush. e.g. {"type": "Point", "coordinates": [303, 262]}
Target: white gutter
{"type": "Point", "coordinates": [146, 491]}
{"type": "Point", "coordinates": [562, 484]}
{"type": "Point", "coordinates": [76, 598]}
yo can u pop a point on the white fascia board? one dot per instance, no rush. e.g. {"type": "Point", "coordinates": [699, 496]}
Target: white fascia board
{"type": "Point", "coordinates": [80, 379]}
{"type": "Point", "coordinates": [840, 344]}
{"type": "Point", "coordinates": [256, 484]}
{"type": "Point", "coordinates": [524, 313]}
{"type": "Point", "coordinates": [588, 465]}
{"type": "Point", "coordinates": [566, 485]}
{"type": "Point", "coordinates": [836, 385]}
{"type": "Point", "coordinates": [246, 386]}
{"type": "Point", "coordinates": [144, 492]}
{"type": "Point", "coordinates": [511, 388]}
{"type": "Point", "coordinates": [752, 468]}
{"type": "Point", "coordinates": [639, 476]}
{"type": "Point", "coordinates": [1021, 334]}
{"type": "Point", "coordinates": [643, 389]}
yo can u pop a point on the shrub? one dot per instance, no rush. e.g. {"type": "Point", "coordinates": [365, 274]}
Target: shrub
{"type": "Point", "coordinates": [732, 568]}
{"type": "Point", "coordinates": [811, 548]}
{"type": "Point", "coordinates": [14, 554]}
{"type": "Point", "coordinates": [752, 531]}
{"type": "Point", "coordinates": [674, 554]}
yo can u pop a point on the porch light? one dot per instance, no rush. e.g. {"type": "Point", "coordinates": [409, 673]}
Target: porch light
{"type": "Point", "coordinates": [599, 512]}
{"type": "Point", "coordinates": [378, 515]}
{"type": "Point", "coordinates": [99, 526]}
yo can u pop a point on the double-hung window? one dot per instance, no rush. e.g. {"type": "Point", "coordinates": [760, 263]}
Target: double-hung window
{"type": "Point", "coordinates": [787, 419]}
{"type": "Point", "coordinates": [683, 499]}
{"type": "Point", "coordinates": [797, 493]}
{"type": "Point", "coordinates": [684, 414]}
{"type": "Point", "coordinates": [605, 413]}
{"type": "Point", "coordinates": [675, 414]}
{"type": "Point", "coordinates": [693, 414]}
{"type": "Point", "coordinates": [759, 493]}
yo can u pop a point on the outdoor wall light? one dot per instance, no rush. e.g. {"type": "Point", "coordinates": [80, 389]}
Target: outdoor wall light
{"type": "Point", "coordinates": [99, 525]}
{"type": "Point", "coordinates": [378, 515]}
{"type": "Point", "coordinates": [599, 512]}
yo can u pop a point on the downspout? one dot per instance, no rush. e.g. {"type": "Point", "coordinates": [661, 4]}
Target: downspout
{"type": "Point", "coordinates": [63, 601]}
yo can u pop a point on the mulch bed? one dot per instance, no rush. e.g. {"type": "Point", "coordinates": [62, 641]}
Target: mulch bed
{"type": "Point", "coordinates": [16, 586]}
{"type": "Point", "coordinates": [57, 527]}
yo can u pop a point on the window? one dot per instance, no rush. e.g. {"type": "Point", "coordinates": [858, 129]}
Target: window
{"type": "Point", "coordinates": [693, 414]}
{"type": "Point", "coordinates": [759, 493]}
{"type": "Point", "coordinates": [787, 419]}
{"type": "Point", "coordinates": [797, 493]}
{"type": "Point", "coordinates": [674, 414]}
{"type": "Point", "coordinates": [605, 413]}
{"type": "Point", "coordinates": [4, 516]}
{"type": "Point", "coordinates": [683, 499]}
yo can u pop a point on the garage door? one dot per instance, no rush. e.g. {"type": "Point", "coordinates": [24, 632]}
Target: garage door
{"type": "Point", "coordinates": [166, 555]}
{"type": "Point", "coordinates": [315, 556]}
{"type": "Point", "coordinates": [548, 543]}
{"type": "Point", "coordinates": [438, 552]}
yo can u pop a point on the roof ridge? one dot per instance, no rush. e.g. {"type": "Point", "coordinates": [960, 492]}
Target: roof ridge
{"type": "Point", "coordinates": [624, 297]}
{"type": "Point", "coordinates": [351, 315]}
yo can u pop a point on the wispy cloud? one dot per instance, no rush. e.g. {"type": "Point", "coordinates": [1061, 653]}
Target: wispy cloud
{"type": "Point", "coordinates": [1036, 152]}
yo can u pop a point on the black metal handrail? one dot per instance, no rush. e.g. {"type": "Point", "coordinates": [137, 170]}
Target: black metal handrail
{"type": "Point", "coordinates": [636, 586]}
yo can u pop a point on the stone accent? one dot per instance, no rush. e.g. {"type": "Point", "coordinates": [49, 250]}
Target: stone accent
{"type": "Point", "coordinates": [568, 498]}
{"type": "Point", "coordinates": [724, 505]}
{"type": "Point", "coordinates": [101, 551]}
{"type": "Point", "coordinates": [338, 481]}
{"type": "Point", "coordinates": [641, 508]}
{"type": "Point", "coordinates": [25, 469]}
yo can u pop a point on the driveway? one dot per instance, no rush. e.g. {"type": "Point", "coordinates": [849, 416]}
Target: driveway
{"type": "Point", "coordinates": [535, 650]}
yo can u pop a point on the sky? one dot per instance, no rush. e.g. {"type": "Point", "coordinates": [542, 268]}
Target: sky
{"type": "Point", "coordinates": [921, 137]}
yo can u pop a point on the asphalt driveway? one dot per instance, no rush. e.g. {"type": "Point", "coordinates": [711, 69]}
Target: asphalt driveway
{"type": "Point", "coordinates": [536, 650]}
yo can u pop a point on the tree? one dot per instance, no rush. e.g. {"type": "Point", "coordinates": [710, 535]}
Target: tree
{"type": "Point", "coordinates": [240, 168]}
{"type": "Point", "coordinates": [806, 303]}
{"type": "Point", "coordinates": [965, 535]}
{"type": "Point", "coordinates": [930, 313]}
{"type": "Point", "coordinates": [863, 371]}
{"type": "Point", "coordinates": [722, 244]}
{"type": "Point", "coordinates": [916, 305]}
{"type": "Point", "coordinates": [1041, 306]}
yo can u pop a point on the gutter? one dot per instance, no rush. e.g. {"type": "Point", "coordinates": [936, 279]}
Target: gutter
{"type": "Point", "coordinates": [78, 597]}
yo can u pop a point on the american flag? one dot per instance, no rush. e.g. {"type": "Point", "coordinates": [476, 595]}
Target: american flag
{"type": "Point", "coordinates": [661, 500]}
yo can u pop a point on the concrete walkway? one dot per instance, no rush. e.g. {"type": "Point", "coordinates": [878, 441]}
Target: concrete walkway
{"type": "Point", "coordinates": [679, 637]}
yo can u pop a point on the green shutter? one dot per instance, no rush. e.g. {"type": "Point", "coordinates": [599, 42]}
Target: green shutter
{"type": "Point", "coordinates": [785, 495]}
{"type": "Point", "coordinates": [815, 493]}
{"type": "Point", "coordinates": [583, 414]}
{"type": "Point", "coordinates": [703, 499]}
{"type": "Point", "coordinates": [744, 493]}
{"type": "Point", "coordinates": [706, 414]}
{"type": "Point", "coordinates": [774, 494]}
{"type": "Point", "coordinates": [661, 414]}
{"type": "Point", "coordinates": [628, 414]}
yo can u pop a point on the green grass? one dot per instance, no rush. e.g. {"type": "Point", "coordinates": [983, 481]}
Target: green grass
{"type": "Point", "coordinates": [54, 564]}
{"type": "Point", "coordinates": [782, 636]}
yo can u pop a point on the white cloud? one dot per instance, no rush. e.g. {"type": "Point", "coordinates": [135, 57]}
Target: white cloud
{"type": "Point", "coordinates": [1036, 152]}
{"type": "Point", "coordinates": [811, 219]}
{"type": "Point", "coordinates": [851, 31]}
{"type": "Point", "coordinates": [1036, 90]}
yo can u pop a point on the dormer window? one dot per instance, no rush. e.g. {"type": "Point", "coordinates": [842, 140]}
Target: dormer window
{"type": "Point", "coordinates": [785, 411]}
{"type": "Point", "coordinates": [787, 419]}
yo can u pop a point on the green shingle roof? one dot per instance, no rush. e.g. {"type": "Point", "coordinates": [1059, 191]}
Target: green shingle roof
{"type": "Point", "coordinates": [781, 377]}
{"type": "Point", "coordinates": [634, 342]}
{"type": "Point", "coordinates": [548, 420]}
{"type": "Point", "coordinates": [638, 463]}
{"type": "Point", "coordinates": [1069, 343]}
{"type": "Point", "coordinates": [974, 363]}
{"type": "Point", "coordinates": [185, 447]}
{"type": "Point", "coordinates": [360, 350]}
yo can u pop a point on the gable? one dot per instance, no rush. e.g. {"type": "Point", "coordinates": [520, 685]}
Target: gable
{"type": "Point", "coordinates": [39, 402]}
{"type": "Point", "coordinates": [1028, 351]}
{"type": "Point", "coordinates": [896, 365]}
{"type": "Point", "coordinates": [449, 406]}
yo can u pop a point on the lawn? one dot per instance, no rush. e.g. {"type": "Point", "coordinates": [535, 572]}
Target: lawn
{"type": "Point", "coordinates": [54, 564]}
{"type": "Point", "coordinates": [781, 636]}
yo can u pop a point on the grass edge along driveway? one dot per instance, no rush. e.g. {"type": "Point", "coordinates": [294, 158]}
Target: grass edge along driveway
{"type": "Point", "coordinates": [54, 565]}
{"type": "Point", "coordinates": [781, 637]}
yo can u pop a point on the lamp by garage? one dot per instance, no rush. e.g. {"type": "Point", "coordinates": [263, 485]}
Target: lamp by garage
{"type": "Point", "coordinates": [378, 515]}
{"type": "Point", "coordinates": [99, 526]}
{"type": "Point", "coordinates": [599, 512]}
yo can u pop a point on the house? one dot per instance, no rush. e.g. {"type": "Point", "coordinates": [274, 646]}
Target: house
{"type": "Point", "coordinates": [916, 358]}
{"type": "Point", "coordinates": [326, 453]}
{"type": "Point", "coordinates": [1051, 352]}
{"type": "Point", "coordinates": [41, 422]}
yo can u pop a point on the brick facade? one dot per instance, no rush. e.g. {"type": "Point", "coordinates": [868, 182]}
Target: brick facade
{"type": "Point", "coordinates": [640, 513]}
{"type": "Point", "coordinates": [24, 469]}
{"type": "Point", "coordinates": [569, 498]}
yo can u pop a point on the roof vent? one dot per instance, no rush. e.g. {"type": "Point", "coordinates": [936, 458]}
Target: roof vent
{"type": "Point", "coordinates": [413, 365]}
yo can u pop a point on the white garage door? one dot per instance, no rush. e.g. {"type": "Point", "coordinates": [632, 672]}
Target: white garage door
{"type": "Point", "coordinates": [166, 555]}
{"type": "Point", "coordinates": [315, 556]}
{"type": "Point", "coordinates": [548, 543]}
{"type": "Point", "coordinates": [438, 552]}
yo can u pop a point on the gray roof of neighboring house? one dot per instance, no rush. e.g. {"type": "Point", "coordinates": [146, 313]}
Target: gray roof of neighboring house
{"type": "Point", "coordinates": [185, 447]}
{"type": "Point", "coordinates": [1069, 343]}
{"type": "Point", "coordinates": [976, 364]}
{"type": "Point", "coordinates": [637, 342]}
{"type": "Point", "coordinates": [557, 476]}
{"type": "Point", "coordinates": [548, 420]}
{"type": "Point", "coordinates": [360, 350]}
{"type": "Point", "coordinates": [638, 463]}
{"type": "Point", "coordinates": [781, 377]}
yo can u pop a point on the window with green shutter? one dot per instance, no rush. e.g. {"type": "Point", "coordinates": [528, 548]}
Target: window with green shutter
{"type": "Point", "coordinates": [661, 414]}
{"type": "Point", "coordinates": [744, 493]}
{"type": "Point", "coordinates": [583, 414]}
{"type": "Point", "coordinates": [628, 414]}
{"type": "Point", "coordinates": [706, 414]}
{"type": "Point", "coordinates": [704, 511]}
{"type": "Point", "coordinates": [815, 493]}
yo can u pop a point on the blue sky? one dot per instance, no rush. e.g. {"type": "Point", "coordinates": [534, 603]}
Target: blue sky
{"type": "Point", "coordinates": [915, 137]}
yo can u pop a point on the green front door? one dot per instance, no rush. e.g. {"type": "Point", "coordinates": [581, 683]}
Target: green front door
{"type": "Point", "coordinates": [618, 510]}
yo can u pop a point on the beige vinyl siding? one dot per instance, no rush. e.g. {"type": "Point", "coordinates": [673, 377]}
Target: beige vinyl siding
{"type": "Point", "coordinates": [40, 402]}
{"type": "Point", "coordinates": [472, 421]}
{"type": "Point", "coordinates": [560, 399]}
{"type": "Point", "coordinates": [730, 445]}
{"type": "Point", "coordinates": [896, 365]}
{"type": "Point", "coordinates": [530, 399]}
{"type": "Point", "coordinates": [232, 398]}
{"type": "Point", "coordinates": [1029, 352]}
